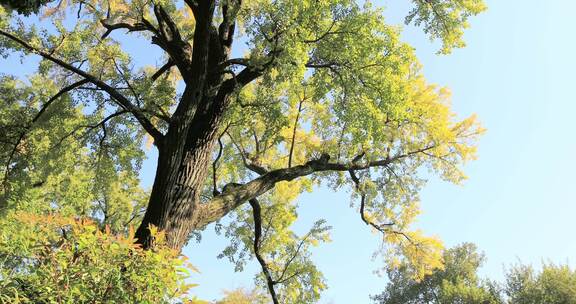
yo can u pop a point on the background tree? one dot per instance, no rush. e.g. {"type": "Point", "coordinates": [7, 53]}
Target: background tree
{"type": "Point", "coordinates": [324, 93]}
{"type": "Point", "coordinates": [457, 282]}
{"type": "Point", "coordinates": [554, 284]}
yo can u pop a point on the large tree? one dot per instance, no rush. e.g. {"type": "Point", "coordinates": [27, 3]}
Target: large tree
{"type": "Point", "coordinates": [249, 104]}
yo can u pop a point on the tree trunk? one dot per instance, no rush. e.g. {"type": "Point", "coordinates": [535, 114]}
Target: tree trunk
{"type": "Point", "coordinates": [183, 165]}
{"type": "Point", "coordinates": [186, 150]}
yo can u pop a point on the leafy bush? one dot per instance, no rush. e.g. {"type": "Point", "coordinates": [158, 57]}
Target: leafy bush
{"type": "Point", "coordinates": [57, 259]}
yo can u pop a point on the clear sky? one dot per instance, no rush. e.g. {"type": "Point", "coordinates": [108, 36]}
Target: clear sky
{"type": "Point", "coordinates": [519, 203]}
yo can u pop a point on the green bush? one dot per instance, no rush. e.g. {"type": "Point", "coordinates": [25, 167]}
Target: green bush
{"type": "Point", "coordinates": [57, 259]}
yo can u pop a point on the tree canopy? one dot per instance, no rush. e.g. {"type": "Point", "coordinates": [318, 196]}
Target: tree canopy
{"type": "Point", "coordinates": [249, 104]}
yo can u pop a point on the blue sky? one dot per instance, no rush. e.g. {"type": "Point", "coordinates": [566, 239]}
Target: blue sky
{"type": "Point", "coordinates": [519, 203]}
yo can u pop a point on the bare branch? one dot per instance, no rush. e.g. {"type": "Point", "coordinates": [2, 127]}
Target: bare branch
{"type": "Point", "coordinates": [288, 278]}
{"type": "Point", "coordinates": [136, 97]}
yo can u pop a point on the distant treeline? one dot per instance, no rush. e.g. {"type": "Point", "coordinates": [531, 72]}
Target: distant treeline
{"type": "Point", "coordinates": [459, 282]}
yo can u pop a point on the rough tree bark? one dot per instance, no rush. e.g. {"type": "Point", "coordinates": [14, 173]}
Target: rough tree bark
{"type": "Point", "coordinates": [183, 166]}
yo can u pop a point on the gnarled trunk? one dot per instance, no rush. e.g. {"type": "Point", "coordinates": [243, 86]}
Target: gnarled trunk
{"type": "Point", "coordinates": [183, 166]}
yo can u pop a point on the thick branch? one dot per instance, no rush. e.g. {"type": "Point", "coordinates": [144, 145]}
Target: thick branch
{"type": "Point", "coordinates": [131, 27]}
{"type": "Point", "coordinates": [194, 6]}
{"type": "Point", "coordinates": [249, 73]}
{"type": "Point", "coordinates": [168, 37]}
{"type": "Point", "coordinates": [228, 25]}
{"type": "Point", "coordinates": [195, 73]}
{"type": "Point", "coordinates": [229, 200]}
{"type": "Point", "coordinates": [235, 61]}
{"type": "Point", "coordinates": [165, 68]}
